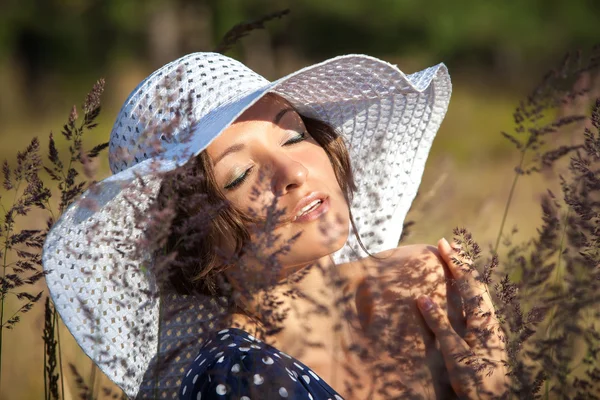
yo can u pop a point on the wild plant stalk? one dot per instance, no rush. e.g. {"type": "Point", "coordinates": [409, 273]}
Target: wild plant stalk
{"type": "Point", "coordinates": [56, 320]}
{"type": "Point", "coordinates": [535, 118]}
{"type": "Point", "coordinates": [30, 191]}
{"type": "Point", "coordinates": [567, 287]}
{"type": "Point", "coordinates": [68, 184]}
{"type": "Point", "coordinates": [509, 200]}
{"type": "Point", "coordinates": [242, 29]}
{"type": "Point", "coordinates": [50, 374]}
{"type": "Point", "coordinates": [26, 270]}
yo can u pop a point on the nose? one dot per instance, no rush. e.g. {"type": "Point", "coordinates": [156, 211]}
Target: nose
{"type": "Point", "coordinates": [288, 175]}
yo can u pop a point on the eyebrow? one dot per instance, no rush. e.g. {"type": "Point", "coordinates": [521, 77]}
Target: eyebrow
{"type": "Point", "coordinates": [240, 146]}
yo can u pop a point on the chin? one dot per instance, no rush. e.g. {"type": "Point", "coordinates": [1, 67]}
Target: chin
{"type": "Point", "coordinates": [335, 236]}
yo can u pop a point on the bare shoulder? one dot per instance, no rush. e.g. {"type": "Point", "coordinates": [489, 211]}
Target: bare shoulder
{"type": "Point", "coordinates": [421, 260]}
{"type": "Point", "coordinates": [395, 256]}
{"type": "Point", "coordinates": [405, 253]}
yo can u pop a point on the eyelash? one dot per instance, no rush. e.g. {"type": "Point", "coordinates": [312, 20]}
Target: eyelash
{"type": "Point", "coordinates": [238, 181]}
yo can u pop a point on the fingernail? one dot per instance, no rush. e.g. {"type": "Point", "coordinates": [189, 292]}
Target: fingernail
{"type": "Point", "coordinates": [446, 244]}
{"type": "Point", "coordinates": [425, 302]}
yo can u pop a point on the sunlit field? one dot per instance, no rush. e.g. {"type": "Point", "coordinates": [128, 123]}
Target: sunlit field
{"type": "Point", "coordinates": [466, 183]}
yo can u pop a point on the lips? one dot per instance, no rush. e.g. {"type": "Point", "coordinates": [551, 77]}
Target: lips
{"type": "Point", "coordinates": [306, 201]}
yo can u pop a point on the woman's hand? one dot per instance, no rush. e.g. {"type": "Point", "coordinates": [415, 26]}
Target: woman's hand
{"type": "Point", "coordinates": [476, 363]}
{"type": "Point", "coordinates": [391, 325]}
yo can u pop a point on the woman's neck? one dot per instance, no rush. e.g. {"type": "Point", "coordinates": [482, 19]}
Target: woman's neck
{"type": "Point", "coordinates": [311, 311]}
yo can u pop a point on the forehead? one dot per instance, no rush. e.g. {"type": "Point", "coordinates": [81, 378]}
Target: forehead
{"type": "Point", "coordinates": [264, 109]}
{"type": "Point", "coordinates": [260, 115]}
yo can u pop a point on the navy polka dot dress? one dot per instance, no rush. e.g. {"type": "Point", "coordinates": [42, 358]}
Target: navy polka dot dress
{"type": "Point", "coordinates": [235, 365]}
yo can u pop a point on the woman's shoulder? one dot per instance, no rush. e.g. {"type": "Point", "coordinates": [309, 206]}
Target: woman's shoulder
{"type": "Point", "coordinates": [358, 267]}
{"type": "Point", "coordinates": [236, 364]}
{"type": "Point", "coordinates": [356, 272]}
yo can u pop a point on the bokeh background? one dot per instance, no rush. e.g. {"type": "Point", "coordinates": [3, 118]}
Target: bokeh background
{"type": "Point", "coordinates": [52, 52]}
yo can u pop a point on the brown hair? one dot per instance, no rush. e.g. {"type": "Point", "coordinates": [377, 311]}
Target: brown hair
{"type": "Point", "coordinates": [203, 216]}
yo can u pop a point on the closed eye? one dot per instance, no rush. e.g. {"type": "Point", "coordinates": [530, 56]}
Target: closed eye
{"type": "Point", "coordinates": [239, 180]}
{"type": "Point", "coordinates": [297, 139]}
{"type": "Point", "coordinates": [242, 178]}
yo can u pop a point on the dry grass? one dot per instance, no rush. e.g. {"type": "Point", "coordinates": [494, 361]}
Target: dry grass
{"type": "Point", "coordinates": [466, 183]}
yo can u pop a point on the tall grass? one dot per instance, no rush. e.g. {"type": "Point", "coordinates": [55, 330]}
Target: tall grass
{"type": "Point", "coordinates": [550, 314]}
{"type": "Point", "coordinates": [29, 190]}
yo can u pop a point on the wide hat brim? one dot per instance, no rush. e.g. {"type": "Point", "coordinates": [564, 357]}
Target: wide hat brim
{"type": "Point", "coordinates": [105, 294]}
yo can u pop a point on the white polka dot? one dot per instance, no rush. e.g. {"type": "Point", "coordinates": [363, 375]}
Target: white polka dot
{"type": "Point", "coordinates": [276, 355]}
{"type": "Point", "coordinates": [219, 354]}
{"type": "Point", "coordinates": [337, 397]}
{"type": "Point", "coordinates": [283, 354]}
{"type": "Point", "coordinates": [244, 348]}
{"type": "Point", "coordinates": [251, 337]}
{"type": "Point", "coordinates": [184, 390]}
{"type": "Point", "coordinates": [299, 366]}
{"type": "Point", "coordinates": [212, 349]}
{"type": "Point", "coordinates": [306, 378]}
{"type": "Point", "coordinates": [202, 362]}
{"type": "Point", "coordinates": [199, 396]}
{"type": "Point", "coordinates": [225, 336]}
{"type": "Point", "coordinates": [267, 360]}
{"type": "Point", "coordinates": [310, 396]}
{"type": "Point", "coordinates": [221, 360]}
{"type": "Point", "coordinates": [244, 356]}
{"type": "Point", "coordinates": [244, 398]}
{"type": "Point", "coordinates": [291, 374]}
{"type": "Point", "coordinates": [221, 389]}
{"type": "Point", "coordinates": [195, 378]}
{"type": "Point", "coordinates": [313, 375]}
{"type": "Point", "coordinates": [254, 346]}
{"type": "Point", "coordinates": [258, 380]}
{"type": "Point", "coordinates": [235, 368]}
{"type": "Point", "coordinates": [283, 392]}
{"type": "Point", "coordinates": [223, 331]}
{"type": "Point", "coordinates": [197, 357]}
{"type": "Point", "coordinates": [232, 345]}
{"type": "Point", "coordinates": [189, 372]}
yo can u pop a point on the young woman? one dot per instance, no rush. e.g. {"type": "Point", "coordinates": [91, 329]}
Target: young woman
{"type": "Point", "coordinates": [273, 194]}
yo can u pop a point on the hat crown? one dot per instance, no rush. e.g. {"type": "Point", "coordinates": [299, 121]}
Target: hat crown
{"type": "Point", "coordinates": [159, 113]}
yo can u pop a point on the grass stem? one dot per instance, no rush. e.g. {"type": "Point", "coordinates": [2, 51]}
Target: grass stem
{"type": "Point", "coordinates": [92, 382]}
{"type": "Point", "coordinates": [46, 391]}
{"type": "Point", "coordinates": [556, 280]}
{"type": "Point", "coordinates": [509, 201]}
{"type": "Point", "coordinates": [60, 368]}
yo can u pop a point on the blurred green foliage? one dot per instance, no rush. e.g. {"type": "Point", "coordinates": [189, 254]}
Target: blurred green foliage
{"type": "Point", "coordinates": [69, 36]}
{"type": "Point", "coordinates": [52, 50]}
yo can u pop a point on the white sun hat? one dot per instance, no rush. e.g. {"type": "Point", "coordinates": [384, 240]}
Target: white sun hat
{"type": "Point", "coordinates": [100, 285]}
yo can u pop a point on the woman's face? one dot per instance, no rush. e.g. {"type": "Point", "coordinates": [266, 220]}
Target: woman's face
{"type": "Point", "coordinates": [267, 158]}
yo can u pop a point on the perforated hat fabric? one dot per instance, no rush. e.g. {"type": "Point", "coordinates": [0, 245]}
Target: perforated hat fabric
{"type": "Point", "coordinates": [100, 284]}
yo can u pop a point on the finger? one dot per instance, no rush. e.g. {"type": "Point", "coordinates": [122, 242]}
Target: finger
{"type": "Point", "coordinates": [460, 266]}
{"type": "Point", "coordinates": [456, 313]}
{"type": "Point", "coordinates": [455, 351]}
{"type": "Point", "coordinates": [478, 303]}
{"type": "Point", "coordinates": [437, 321]}
{"type": "Point", "coordinates": [483, 329]}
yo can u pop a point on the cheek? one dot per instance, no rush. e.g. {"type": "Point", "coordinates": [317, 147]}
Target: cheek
{"type": "Point", "coordinates": [318, 163]}
{"type": "Point", "coordinates": [248, 201]}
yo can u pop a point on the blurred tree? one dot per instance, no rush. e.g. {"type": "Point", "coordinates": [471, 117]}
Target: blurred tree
{"type": "Point", "coordinates": [80, 39]}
